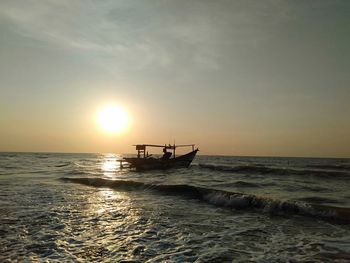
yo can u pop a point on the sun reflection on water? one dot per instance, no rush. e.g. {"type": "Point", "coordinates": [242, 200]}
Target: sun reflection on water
{"type": "Point", "coordinates": [108, 195]}
{"type": "Point", "coordinates": [110, 165]}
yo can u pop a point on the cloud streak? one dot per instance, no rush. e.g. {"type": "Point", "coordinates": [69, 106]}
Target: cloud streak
{"type": "Point", "coordinates": [142, 34]}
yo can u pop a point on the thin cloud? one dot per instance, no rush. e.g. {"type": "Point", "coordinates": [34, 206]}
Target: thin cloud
{"type": "Point", "coordinates": [139, 35]}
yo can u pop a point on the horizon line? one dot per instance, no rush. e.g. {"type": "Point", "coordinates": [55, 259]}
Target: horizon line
{"type": "Point", "coordinates": [222, 155]}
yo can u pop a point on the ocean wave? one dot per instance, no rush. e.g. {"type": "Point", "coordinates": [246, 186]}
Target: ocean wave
{"type": "Point", "coordinates": [313, 188]}
{"type": "Point", "coordinates": [318, 200]}
{"type": "Point", "coordinates": [258, 169]}
{"type": "Point", "coordinates": [8, 167]}
{"type": "Point", "coordinates": [78, 172]}
{"type": "Point", "coordinates": [345, 167]}
{"type": "Point", "coordinates": [63, 164]}
{"type": "Point", "coordinates": [227, 199]}
{"type": "Point", "coordinates": [240, 184]}
{"type": "Point", "coordinates": [41, 156]}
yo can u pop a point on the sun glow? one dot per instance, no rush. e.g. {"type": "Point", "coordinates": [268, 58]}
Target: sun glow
{"type": "Point", "coordinates": [112, 119]}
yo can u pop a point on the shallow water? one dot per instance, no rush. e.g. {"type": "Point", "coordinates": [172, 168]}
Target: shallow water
{"type": "Point", "coordinates": [82, 207]}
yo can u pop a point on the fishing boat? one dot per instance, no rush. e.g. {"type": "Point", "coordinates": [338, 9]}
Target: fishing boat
{"type": "Point", "coordinates": [168, 160]}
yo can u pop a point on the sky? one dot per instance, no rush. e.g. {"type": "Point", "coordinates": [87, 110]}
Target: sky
{"type": "Point", "coordinates": [251, 78]}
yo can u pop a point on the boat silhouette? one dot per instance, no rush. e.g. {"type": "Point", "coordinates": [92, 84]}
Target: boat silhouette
{"type": "Point", "coordinates": [144, 161]}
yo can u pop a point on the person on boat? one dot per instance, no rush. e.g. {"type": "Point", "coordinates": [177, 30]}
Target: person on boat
{"type": "Point", "coordinates": [166, 155]}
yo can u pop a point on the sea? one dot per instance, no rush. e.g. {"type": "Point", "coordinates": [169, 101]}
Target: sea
{"type": "Point", "coordinates": [57, 207]}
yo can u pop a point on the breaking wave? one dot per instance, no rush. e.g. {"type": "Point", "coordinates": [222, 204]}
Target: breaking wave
{"type": "Point", "coordinates": [259, 169]}
{"type": "Point", "coordinates": [227, 199]}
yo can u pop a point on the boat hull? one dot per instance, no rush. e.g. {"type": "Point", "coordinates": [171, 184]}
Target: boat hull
{"type": "Point", "coordinates": [144, 164]}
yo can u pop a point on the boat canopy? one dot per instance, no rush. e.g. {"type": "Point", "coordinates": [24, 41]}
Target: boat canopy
{"type": "Point", "coordinates": [166, 146]}
{"type": "Point", "coordinates": [141, 148]}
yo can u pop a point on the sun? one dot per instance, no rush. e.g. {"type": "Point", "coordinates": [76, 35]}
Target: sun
{"type": "Point", "coordinates": [112, 119]}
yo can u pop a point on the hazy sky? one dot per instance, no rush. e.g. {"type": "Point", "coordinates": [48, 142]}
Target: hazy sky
{"type": "Point", "coordinates": [236, 77]}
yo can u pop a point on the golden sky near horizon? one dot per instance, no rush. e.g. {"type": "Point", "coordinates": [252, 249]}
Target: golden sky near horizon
{"type": "Point", "coordinates": [267, 78]}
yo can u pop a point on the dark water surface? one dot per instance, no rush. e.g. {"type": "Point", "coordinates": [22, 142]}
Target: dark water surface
{"type": "Point", "coordinates": [82, 207]}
